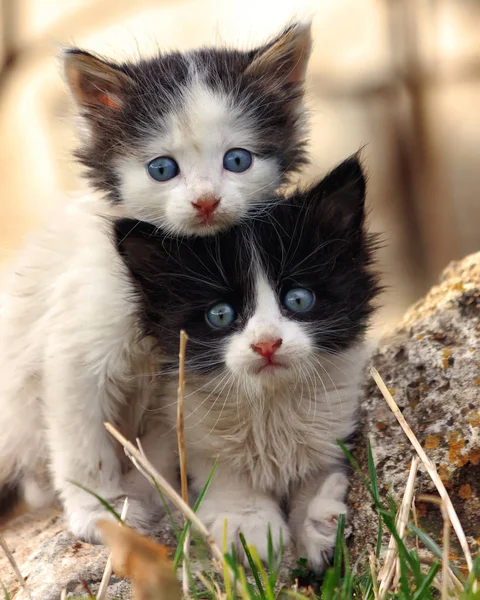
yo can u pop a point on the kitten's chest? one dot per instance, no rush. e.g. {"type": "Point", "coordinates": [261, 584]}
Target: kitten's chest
{"type": "Point", "coordinates": [274, 445]}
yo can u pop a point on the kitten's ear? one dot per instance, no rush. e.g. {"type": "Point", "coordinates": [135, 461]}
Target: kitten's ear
{"type": "Point", "coordinates": [341, 195]}
{"type": "Point", "coordinates": [94, 82]}
{"type": "Point", "coordinates": [286, 56]}
{"type": "Point", "coordinates": [139, 246]}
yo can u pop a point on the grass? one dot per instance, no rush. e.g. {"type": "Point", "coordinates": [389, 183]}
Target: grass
{"type": "Point", "coordinates": [405, 571]}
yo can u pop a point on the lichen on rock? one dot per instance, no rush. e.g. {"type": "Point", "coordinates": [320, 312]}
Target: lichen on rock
{"type": "Point", "coordinates": [431, 364]}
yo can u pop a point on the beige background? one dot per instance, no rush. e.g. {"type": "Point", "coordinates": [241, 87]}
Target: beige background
{"type": "Point", "coordinates": [399, 78]}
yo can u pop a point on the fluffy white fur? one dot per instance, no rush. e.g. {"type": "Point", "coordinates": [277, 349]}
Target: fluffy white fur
{"type": "Point", "coordinates": [197, 135]}
{"type": "Point", "coordinates": [71, 360]}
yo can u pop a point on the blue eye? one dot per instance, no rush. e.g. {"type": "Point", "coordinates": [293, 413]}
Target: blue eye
{"type": "Point", "coordinates": [220, 315]}
{"type": "Point", "coordinates": [298, 300]}
{"type": "Point", "coordinates": [237, 160]}
{"type": "Point", "coordinates": [163, 168]}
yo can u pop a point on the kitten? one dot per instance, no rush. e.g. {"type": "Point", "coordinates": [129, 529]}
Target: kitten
{"type": "Point", "coordinates": [190, 141]}
{"type": "Point", "coordinates": [187, 141]}
{"type": "Point", "coordinates": [276, 311]}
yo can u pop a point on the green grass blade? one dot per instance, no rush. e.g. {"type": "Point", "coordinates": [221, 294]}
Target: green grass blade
{"type": "Point", "coordinates": [373, 474]}
{"type": "Point", "coordinates": [328, 587]}
{"type": "Point", "coordinates": [253, 567]}
{"type": "Point", "coordinates": [403, 553]}
{"type": "Point", "coordinates": [274, 570]}
{"type": "Point", "coordinates": [179, 551]}
{"type": "Point", "coordinates": [226, 573]}
{"type": "Point", "coordinates": [6, 595]}
{"type": "Point", "coordinates": [378, 547]}
{"type": "Point", "coordinates": [433, 547]}
{"type": "Point", "coordinates": [103, 502]}
{"type": "Point", "coordinates": [167, 510]}
{"type": "Point", "coordinates": [263, 574]}
{"type": "Point", "coordinates": [423, 590]}
{"type": "Point", "coordinates": [271, 554]}
{"type": "Point", "coordinates": [347, 582]}
{"type": "Point", "coordinates": [355, 465]}
{"type": "Point", "coordinates": [472, 576]}
{"type": "Point", "coordinates": [376, 496]}
{"type": "Point", "coordinates": [407, 562]}
{"type": "Point", "coordinates": [247, 588]}
{"type": "Point", "coordinates": [337, 557]}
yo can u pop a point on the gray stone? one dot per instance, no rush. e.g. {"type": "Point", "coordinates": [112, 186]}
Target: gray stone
{"type": "Point", "coordinates": [431, 364]}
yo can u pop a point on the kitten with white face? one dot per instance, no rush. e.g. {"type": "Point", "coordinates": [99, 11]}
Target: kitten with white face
{"type": "Point", "coordinates": [276, 312]}
{"type": "Point", "coordinates": [191, 141]}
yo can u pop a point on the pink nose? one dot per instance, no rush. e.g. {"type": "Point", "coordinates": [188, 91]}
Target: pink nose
{"type": "Point", "coordinates": [267, 348]}
{"type": "Point", "coordinates": [206, 205]}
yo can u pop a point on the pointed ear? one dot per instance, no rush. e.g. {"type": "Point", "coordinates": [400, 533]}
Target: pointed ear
{"type": "Point", "coordinates": [139, 245]}
{"type": "Point", "coordinates": [93, 82]}
{"type": "Point", "coordinates": [341, 195]}
{"type": "Point", "coordinates": [286, 56]}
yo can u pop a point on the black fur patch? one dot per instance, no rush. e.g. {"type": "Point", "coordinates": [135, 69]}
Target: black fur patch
{"type": "Point", "coordinates": [157, 85]}
{"type": "Point", "coordinates": [314, 239]}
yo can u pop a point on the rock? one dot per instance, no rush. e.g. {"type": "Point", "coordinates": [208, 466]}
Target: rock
{"type": "Point", "coordinates": [51, 559]}
{"type": "Point", "coordinates": [431, 364]}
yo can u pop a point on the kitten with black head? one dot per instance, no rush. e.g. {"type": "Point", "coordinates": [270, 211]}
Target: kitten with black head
{"type": "Point", "coordinates": [276, 311]}
{"type": "Point", "coordinates": [191, 141]}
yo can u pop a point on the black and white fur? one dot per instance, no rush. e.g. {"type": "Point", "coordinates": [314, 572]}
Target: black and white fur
{"type": "Point", "coordinates": [193, 107]}
{"type": "Point", "coordinates": [274, 427]}
{"type": "Point", "coordinates": [70, 353]}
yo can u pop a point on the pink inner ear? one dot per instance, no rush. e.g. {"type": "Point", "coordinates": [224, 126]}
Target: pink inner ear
{"type": "Point", "coordinates": [108, 101]}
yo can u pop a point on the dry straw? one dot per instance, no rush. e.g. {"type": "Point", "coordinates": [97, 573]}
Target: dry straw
{"type": "Point", "coordinates": [429, 465]}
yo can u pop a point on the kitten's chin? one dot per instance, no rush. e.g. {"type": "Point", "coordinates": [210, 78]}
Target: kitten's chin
{"type": "Point", "coordinates": [272, 376]}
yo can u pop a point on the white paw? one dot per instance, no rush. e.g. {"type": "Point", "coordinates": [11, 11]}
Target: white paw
{"type": "Point", "coordinates": [318, 536]}
{"type": "Point", "coordinates": [253, 522]}
{"type": "Point", "coordinates": [82, 521]}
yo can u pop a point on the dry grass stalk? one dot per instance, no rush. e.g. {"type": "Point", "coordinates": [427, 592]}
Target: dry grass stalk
{"type": "Point", "coordinates": [373, 571]}
{"type": "Point", "coordinates": [429, 560]}
{"type": "Point", "coordinates": [146, 467]}
{"type": "Point", "coordinates": [102, 590]}
{"type": "Point", "coordinates": [186, 557]}
{"type": "Point", "coordinates": [16, 570]}
{"type": "Point", "coordinates": [415, 520]}
{"type": "Point", "coordinates": [391, 565]}
{"type": "Point", "coordinates": [182, 451]}
{"type": "Point", "coordinates": [429, 465]}
{"type": "Point", "coordinates": [63, 594]}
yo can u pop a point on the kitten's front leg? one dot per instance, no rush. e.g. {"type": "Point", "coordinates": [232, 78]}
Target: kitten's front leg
{"type": "Point", "coordinates": [78, 400]}
{"type": "Point", "coordinates": [246, 511]}
{"type": "Point", "coordinates": [313, 518]}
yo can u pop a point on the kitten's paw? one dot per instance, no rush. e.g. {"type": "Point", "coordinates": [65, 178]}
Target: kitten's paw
{"type": "Point", "coordinates": [253, 522]}
{"type": "Point", "coordinates": [318, 536]}
{"type": "Point", "coordinates": [82, 521]}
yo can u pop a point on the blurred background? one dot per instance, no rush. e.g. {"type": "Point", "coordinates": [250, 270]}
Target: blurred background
{"type": "Point", "coordinates": [400, 78]}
